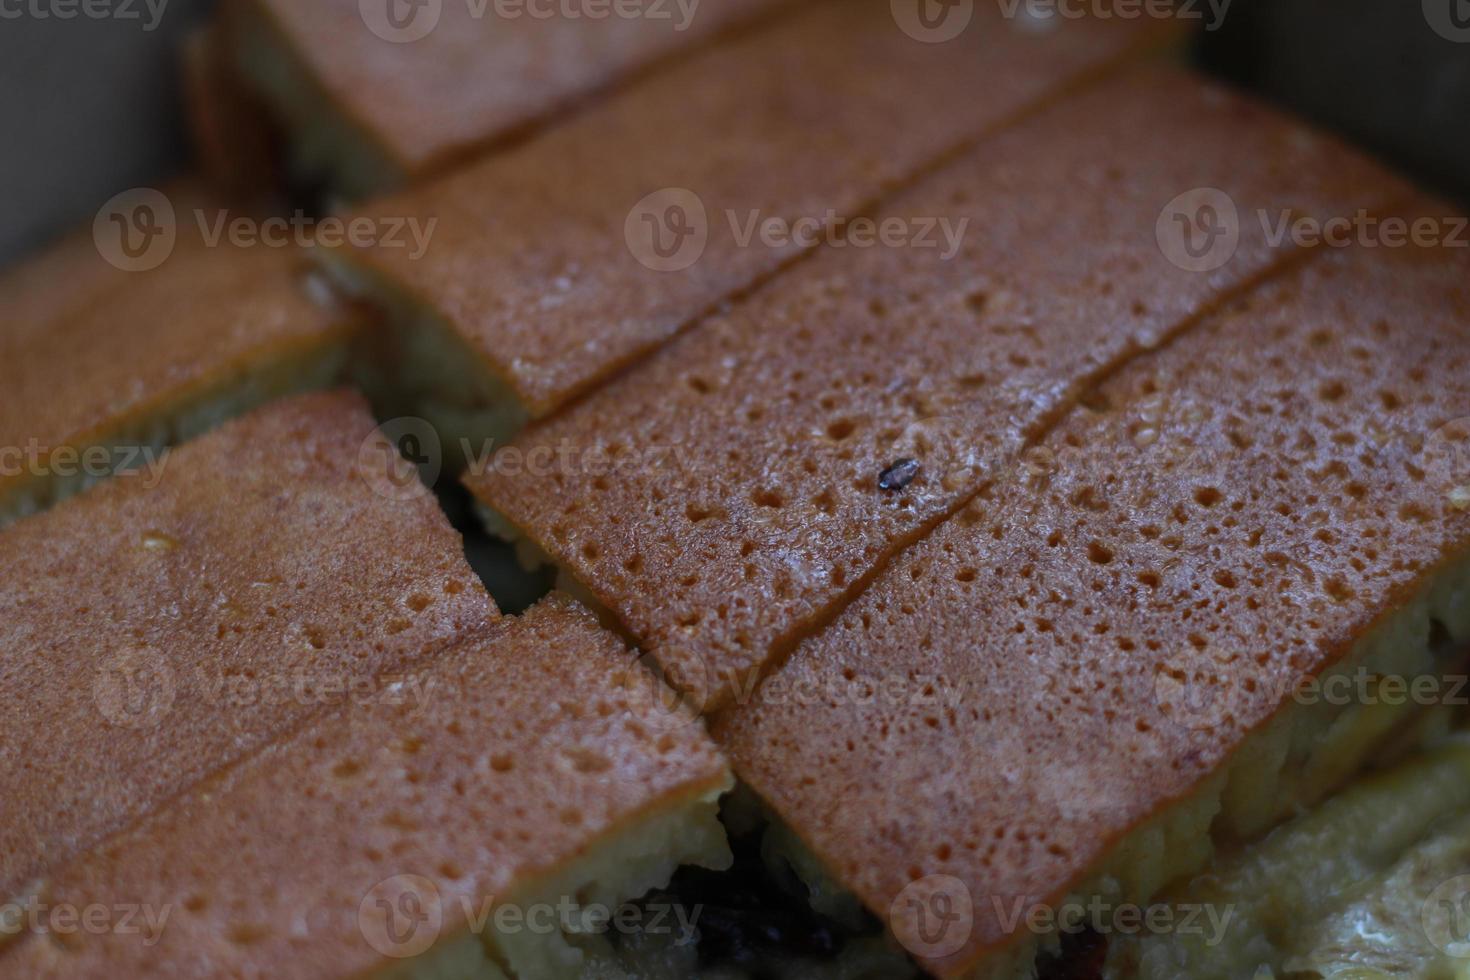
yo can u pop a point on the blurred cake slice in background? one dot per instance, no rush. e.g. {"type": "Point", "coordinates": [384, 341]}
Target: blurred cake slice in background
{"type": "Point", "coordinates": [559, 264]}
{"type": "Point", "coordinates": [377, 93]}
{"type": "Point", "coordinates": [159, 627]}
{"type": "Point", "coordinates": [234, 144]}
{"type": "Point", "coordinates": [502, 824]}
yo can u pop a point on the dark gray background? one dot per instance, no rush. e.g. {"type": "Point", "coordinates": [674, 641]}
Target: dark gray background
{"type": "Point", "coordinates": [87, 108]}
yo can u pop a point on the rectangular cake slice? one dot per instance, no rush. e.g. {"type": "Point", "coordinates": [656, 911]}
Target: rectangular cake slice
{"type": "Point", "coordinates": [103, 367]}
{"type": "Point", "coordinates": [377, 93]}
{"type": "Point", "coordinates": [728, 497]}
{"type": "Point", "coordinates": [488, 830]}
{"type": "Point", "coordinates": [151, 633]}
{"type": "Point", "coordinates": [1176, 620]}
{"type": "Point", "coordinates": [555, 266]}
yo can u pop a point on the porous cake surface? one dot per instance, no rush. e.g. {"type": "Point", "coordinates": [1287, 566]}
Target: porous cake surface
{"type": "Point", "coordinates": [1102, 628]}
{"type": "Point", "coordinates": [476, 72]}
{"type": "Point", "coordinates": [137, 354]}
{"type": "Point", "coordinates": [558, 264]}
{"type": "Point", "coordinates": [150, 634]}
{"type": "Point", "coordinates": [531, 749]}
{"type": "Point", "coordinates": [725, 498]}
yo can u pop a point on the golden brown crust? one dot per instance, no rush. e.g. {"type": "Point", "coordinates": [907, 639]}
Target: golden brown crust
{"type": "Point", "coordinates": [1241, 507]}
{"type": "Point", "coordinates": [531, 263]}
{"type": "Point", "coordinates": [471, 81]}
{"type": "Point", "coordinates": [743, 502]}
{"type": "Point", "coordinates": [150, 634]}
{"type": "Point", "coordinates": [143, 346]}
{"type": "Point", "coordinates": [524, 755]}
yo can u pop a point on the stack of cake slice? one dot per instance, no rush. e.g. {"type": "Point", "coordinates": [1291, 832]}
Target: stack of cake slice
{"type": "Point", "coordinates": [264, 711]}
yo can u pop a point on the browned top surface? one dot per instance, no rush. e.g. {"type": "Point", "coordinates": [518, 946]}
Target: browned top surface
{"type": "Point", "coordinates": [64, 276]}
{"type": "Point", "coordinates": [526, 752]}
{"type": "Point", "coordinates": [150, 635]}
{"type": "Point", "coordinates": [1250, 501]}
{"type": "Point", "coordinates": [531, 261]}
{"type": "Point", "coordinates": [474, 79]}
{"type": "Point", "coordinates": [744, 500]}
{"type": "Point", "coordinates": [77, 370]}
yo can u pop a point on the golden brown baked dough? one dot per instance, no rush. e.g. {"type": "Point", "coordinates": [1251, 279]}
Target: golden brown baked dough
{"type": "Point", "coordinates": [151, 634]}
{"type": "Point", "coordinates": [415, 107]}
{"type": "Point", "coordinates": [727, 498]}
{"type": "Point", "coordinates": [527, 755]}
{"type": "Point", "coordinates": [531, 278]}
{"type": "Point", "coordinates": [142, 360]}
{"type": "Point", "coordinates": [1233, 515]}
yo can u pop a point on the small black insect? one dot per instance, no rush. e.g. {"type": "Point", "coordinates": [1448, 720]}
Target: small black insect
{"type": "Point", "coordinates": [899, 475]}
